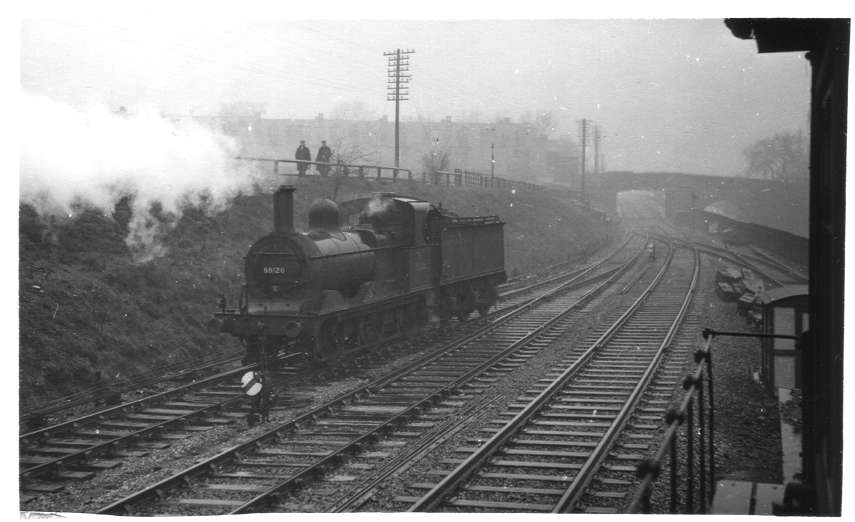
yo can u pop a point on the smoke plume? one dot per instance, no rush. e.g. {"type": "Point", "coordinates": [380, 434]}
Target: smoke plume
{"type": "Point", "coordinates": [97, 156]}
{"type": "Point", "coordinates": [376, 205]}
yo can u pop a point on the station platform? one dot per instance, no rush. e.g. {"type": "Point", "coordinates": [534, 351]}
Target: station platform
{"type": "Point", "coordinates": [740, 497]}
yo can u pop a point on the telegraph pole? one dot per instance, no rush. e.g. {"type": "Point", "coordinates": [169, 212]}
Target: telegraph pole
{"type": "Point", "coordinates": [596, 149]}
{"type": "Point", "coordinates": [492, 160]}
{"type": "Point", "coordinates": [396, 86]}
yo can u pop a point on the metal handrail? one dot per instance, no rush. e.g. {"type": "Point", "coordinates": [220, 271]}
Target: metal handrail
{"type": "Point", "coordinates": [465, 177]}
{"type": "Point", "coordinates": [692, 403]}
{"type": "Point", "coordinates": [459, 177]}
{"type": "Point", "coordinates": [359, 169]}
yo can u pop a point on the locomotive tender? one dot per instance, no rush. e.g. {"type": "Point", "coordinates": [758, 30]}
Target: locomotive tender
{"type": "Point", "coordinates": [401, 263]}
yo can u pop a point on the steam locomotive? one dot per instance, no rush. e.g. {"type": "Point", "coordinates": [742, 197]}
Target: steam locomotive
{"type": "Point", "coordinates": [397, 263]}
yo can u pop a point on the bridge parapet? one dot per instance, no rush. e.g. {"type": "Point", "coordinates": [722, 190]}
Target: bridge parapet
{"type": "Point", "coordinates": [774, 204]}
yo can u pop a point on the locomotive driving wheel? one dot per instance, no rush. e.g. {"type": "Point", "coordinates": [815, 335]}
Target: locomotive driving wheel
{"type": "Point", "coordinates": [445, 306]}
{"type": "Point", "coordinates": [252, 352]}
{"type": "Point", "coordinates": [465, 302]}
{"type": "Point", "coordinates": [486, 298]}
{"type": "Point", "coordinates": [326, 346]}
{"type": "Point", "coordinates": [346, 334]}
{"type": "Point", "coordinates": [410, 320]}
{"type": "Point", "coordinates": [369, 327]}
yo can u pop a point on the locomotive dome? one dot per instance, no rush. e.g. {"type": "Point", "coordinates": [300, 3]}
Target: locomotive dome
{"type": "Point", "coordinates": [324, 215]}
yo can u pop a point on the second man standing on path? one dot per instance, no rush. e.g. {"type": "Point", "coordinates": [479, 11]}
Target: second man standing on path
{"type": "Point", "coordinates": [324, 155]}
{"type": "Point", "coordinates": [303, 153]}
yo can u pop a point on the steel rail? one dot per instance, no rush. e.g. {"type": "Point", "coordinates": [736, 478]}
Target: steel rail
{"type": "Point", "coordinates": [440, 433]}
{"type": "Point", "coordinates": [718, 251]}
{"type": "Point", "coordinates": [769, 260]}
{"type": "Point", "coordinates": [121, 408]}
{"type": "Point", "coordinates": [580, 482]}
{"type": "Point", "coordinates": [671, 431]}
{"type": "Point", "coordinates": [734, 256]}
{"type": "Point", "coordinates": [90, 394]}
{"type": "Point", "coordinates": [510, 293]}
{"type": "Point", "coordinates": [448, 429]}
{"type": "Point", "coordinates": [97, 450]}
{"type": "Point", "coordinates": [270, 494]}
{"type": "Point", "coordinates": [464, 470]}
{"type": "Point", "coordinates": [522, 308]}
{"type": "Point", "coordinates": [211, 464]}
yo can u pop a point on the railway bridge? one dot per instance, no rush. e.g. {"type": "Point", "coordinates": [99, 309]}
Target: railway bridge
{"type": "Point", "coordinates": [772, 204]}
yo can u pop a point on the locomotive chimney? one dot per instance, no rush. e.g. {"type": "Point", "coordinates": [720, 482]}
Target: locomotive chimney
{"type": "Point", "coordinates": [283, 209]}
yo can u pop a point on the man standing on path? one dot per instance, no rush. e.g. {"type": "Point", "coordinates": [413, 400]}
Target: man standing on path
{"type": "Point", "coordinates": [324, 155]}
{"type": "Point", "coordinates": [303, 153]}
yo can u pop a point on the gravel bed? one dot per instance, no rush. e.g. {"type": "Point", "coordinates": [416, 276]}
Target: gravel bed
{"type": "Point", "coordinates": [506, 390]}
{"type": "Point", "coordinates": [97, 403]}
{"type": "Point", "coordinates": [747, 431]}
{"type": "Point", "coordinates": [748, 437]}
{"type": "Point", "coordinates": [108, 486]}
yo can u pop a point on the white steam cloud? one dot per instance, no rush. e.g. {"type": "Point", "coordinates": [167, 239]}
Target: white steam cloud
{"type": "Point", "coordinates": [96, 157]}
{"type": "Point", "coordinates": [377, 204]}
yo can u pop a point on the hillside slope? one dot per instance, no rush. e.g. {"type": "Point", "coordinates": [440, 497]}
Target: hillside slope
{"type": "Point", "coordinates": [89, 314]}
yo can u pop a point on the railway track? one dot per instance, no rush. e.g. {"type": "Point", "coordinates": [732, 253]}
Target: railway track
{"type": "Point", "coordinates": [78, 448]}
{"type": "Point", "coordinates": [33, 415]}
{"type": "Point", "coordinates": [772, 275]}
{"type": "Point", "coordinates": [514, 294]}
{"type": "Point", "coordinates": [789, 275]}
{"type": "Point", "coordinates": [37, 414]}
{"type": "Point", "coordinates": [410, 403]}
{"type": "Point", "coordinates": [547, 448]}
{"type": "Point", "coordinates": [772, 270]}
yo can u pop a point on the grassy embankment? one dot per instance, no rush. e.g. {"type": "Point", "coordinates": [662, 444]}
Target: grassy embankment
{"type": "Point", "coordinates": [86, 307]}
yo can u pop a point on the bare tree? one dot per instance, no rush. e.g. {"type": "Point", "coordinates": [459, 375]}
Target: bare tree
{"type": "Point", "coordinates": [351, 153]}
{"type": "Point", "coordinates": [436, 160]}
{"type": "Point", "coordinates": [344, 156]}
{"type": "Point", "coordinates": [782, 157]}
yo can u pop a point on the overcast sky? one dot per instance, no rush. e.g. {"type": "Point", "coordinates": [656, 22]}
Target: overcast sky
{"type": "Point", "coordinates": [669, 95]}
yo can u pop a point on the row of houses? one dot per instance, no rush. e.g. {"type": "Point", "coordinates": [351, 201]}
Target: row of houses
{"type": "Point", "coordinates": [521, 151]}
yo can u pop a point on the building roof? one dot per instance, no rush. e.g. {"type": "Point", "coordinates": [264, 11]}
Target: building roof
{"type": "Point", "coordinates": [784, 292]}
{"type": "Point", "coordinates": [726, 209]}
{"type": "Point", "coordinates": [775, 35]}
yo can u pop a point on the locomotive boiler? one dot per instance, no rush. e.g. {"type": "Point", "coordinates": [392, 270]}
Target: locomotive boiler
{"type": "Point", "coordinates": [366, 271]}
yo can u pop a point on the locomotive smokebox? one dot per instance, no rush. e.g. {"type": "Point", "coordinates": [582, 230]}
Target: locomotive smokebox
{"type": "Point", "coordinates": [283, 210]}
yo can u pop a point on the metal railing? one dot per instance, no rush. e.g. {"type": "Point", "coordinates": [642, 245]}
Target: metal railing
{"type": "Point", "coordinates": [378, 172]}
{"type": "Point", "coordinates": [696, 413]}
{"type": "Point", "coordinates": [460, 177]}
{"type": "Point", "coordinates": [340, 169]}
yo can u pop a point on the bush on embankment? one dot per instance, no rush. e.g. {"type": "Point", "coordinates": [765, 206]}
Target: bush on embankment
{"type": "Point", "coordinates": [89, 313]}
